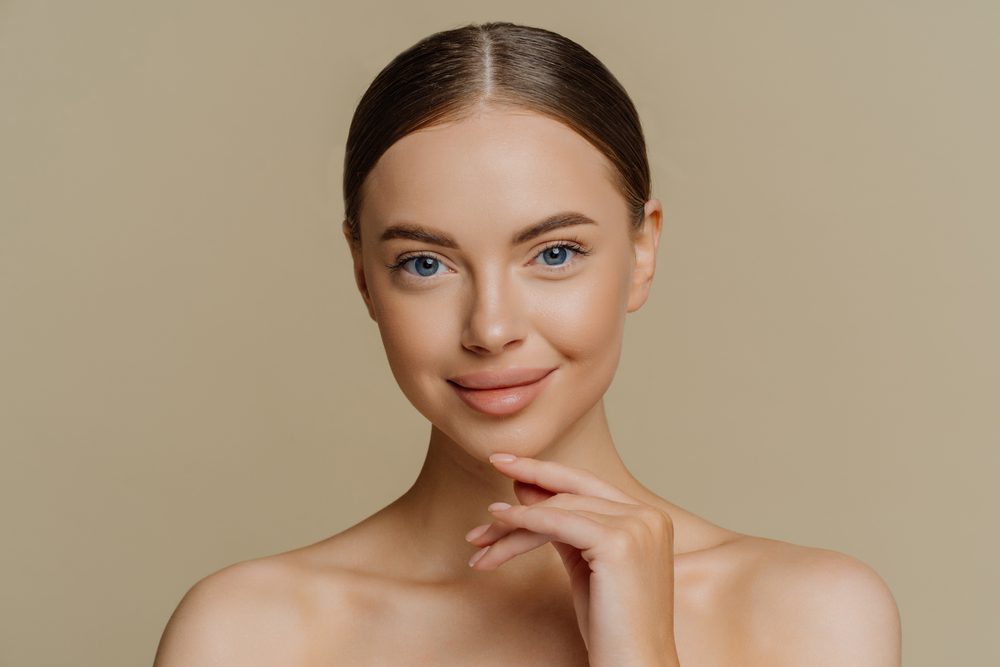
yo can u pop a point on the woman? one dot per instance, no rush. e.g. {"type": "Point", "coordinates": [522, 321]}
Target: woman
{"type": "Point", "coordinates": [498, 213]}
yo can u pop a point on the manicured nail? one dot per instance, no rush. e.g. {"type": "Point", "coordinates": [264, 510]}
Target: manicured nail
{"type": "Point", "coordinates": [479, 554]}
{"type": "Point", "coordinates": [505, 458]}
{"type": "Point", "coordinates": [496, 507]}
{"type": "Point", "coordinates": [476, 532]}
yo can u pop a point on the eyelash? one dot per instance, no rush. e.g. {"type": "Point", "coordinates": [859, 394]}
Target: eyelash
{"type": "Point", "coordinates": [572, 244]}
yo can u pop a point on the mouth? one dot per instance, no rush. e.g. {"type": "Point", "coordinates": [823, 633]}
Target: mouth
{"type": "Point", "coordinates": [501, 393]}
{"type": "Point", "coordinates": [500, 379]}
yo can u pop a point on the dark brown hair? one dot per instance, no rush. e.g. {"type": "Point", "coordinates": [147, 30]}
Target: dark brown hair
{"type": "Point", "coordinates": [446, 75]}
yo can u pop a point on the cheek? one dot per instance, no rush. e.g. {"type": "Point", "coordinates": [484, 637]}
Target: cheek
{"type": "Point", "coordinates": [410, 324]}
{"type": "Point", "coordinates": [412, 330]}
{"type": "Point", "coordinates": [585, 322]}
{"type": "Point", "coordinates": [416, 331]}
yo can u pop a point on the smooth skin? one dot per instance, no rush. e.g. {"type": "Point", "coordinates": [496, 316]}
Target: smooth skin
{"type": "Point", "coordinates": [631, 578]}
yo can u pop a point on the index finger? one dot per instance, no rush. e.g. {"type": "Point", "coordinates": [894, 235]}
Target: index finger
{"type": "Point", "coordinates": [558, 477]}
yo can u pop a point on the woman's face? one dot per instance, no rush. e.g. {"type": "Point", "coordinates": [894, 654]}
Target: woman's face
{"type": "Point", "coordinates": [451, 208]}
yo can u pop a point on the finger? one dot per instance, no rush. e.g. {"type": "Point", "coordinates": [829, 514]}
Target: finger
{"type": "Point", "coordinates": [559, 477]}
{"type": "Point", "coordinates": [568, 501]}
{"type": "Point", "coordinates": [581, 529]}
{"type": "Point", "coordinates": [491, 532]}
{"type": "Point", "coordinates": [575, 501]}
{"type": "Point", "coordinates": [630, 515]}
{"type": "Point", "coordinates": [517, 542]}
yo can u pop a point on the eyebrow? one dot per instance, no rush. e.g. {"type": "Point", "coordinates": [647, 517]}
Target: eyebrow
{"type": "Point", "coordinates": [417, 233]}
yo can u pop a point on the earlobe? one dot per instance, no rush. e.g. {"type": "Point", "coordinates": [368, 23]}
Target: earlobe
{"type": "Point", "coordinates": [647, 240]}
{"type": "Point", "coordinates": [358, 269]}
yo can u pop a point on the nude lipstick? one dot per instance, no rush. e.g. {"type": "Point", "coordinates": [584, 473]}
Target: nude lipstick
{"type": "Point", "coordinates": [501, 392]}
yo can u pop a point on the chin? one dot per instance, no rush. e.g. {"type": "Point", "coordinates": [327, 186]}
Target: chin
{"type": "Point", "coordinates": [480, 440]}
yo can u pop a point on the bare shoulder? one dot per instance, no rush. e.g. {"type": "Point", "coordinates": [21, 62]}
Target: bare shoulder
{"type": "Point", "coordinates": [808, 605]}
{"type": "Point", "coordinates": [250, 613]}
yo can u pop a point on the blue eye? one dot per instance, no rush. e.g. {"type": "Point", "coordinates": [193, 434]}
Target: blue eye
{"type": "Point", "coordinates": [557, 253]}
{"type": "Point", "coordinates": [560, 255]}
{"type": "Point", "coordinates": [557, 256]}
{"type": "Point", "coordinates": [425, 265]}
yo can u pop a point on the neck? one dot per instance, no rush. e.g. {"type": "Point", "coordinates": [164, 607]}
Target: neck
{"type": "Point", "coordinates": [453, 489]}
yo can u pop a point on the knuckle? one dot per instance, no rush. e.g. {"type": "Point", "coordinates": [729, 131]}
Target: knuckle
{"type": "Point", "coordinates": [621, 542]}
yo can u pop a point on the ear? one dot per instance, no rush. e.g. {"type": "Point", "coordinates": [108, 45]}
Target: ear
{"type": "Point", "coordinates": [359, 268]}
{"type": "Point", "coordinates": [646, 240]}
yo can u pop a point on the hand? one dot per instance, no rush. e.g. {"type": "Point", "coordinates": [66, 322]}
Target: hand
{"type": "Point", "coordinates": [617, 551]}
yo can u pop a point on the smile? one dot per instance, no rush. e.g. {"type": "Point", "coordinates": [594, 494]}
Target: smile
{"type": "Point", "coordinates": [502, 401]}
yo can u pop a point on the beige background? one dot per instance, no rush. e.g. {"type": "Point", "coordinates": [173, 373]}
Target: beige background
{"type": "Point", "coordinates": [188, 377]}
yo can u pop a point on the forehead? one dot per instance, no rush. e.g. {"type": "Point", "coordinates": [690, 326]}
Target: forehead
{"type": "Point", "coordinates": [493, 168]}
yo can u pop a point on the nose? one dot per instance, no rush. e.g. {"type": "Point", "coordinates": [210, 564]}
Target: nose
{"type": "Point", "coordinates": [494, 316]}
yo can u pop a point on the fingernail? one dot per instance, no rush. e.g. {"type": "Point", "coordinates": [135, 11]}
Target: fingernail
{"type": "Point", "coordinates": [506, 458]}
{"type": "Point", "coordinates": [476, 556]}
{"type": "Point", "coordinates": [498, 506]}
{"type": "Point", "coordinates": [476, 532]}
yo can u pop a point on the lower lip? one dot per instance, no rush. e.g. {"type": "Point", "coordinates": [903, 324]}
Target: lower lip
{"type": "Point", "coordinates": [503, 401]}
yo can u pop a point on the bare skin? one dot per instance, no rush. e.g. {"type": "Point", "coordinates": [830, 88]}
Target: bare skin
{"type": "Point", "coordinates": [397, 588]}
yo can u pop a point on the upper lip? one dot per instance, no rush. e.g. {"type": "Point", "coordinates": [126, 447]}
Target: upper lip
{"type": "Point", "coordinates": [496, 379]}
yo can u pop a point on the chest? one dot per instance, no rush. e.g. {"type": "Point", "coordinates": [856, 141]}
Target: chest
{"type": "Point", "coordinates": [706, 635]}
{"type": "Point", "coordinates": [427, 634]}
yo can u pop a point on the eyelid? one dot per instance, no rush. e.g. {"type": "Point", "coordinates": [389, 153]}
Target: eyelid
{"type": "Point", "coordinates": [407, 256]}
{"type": "Point", "coordinates": [572, 244]}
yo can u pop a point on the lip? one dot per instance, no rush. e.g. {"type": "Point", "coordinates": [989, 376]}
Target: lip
{"type": "Point", "coordinates": [500, 379]}
{"type": "Point", "coordinates": [501, 393]}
